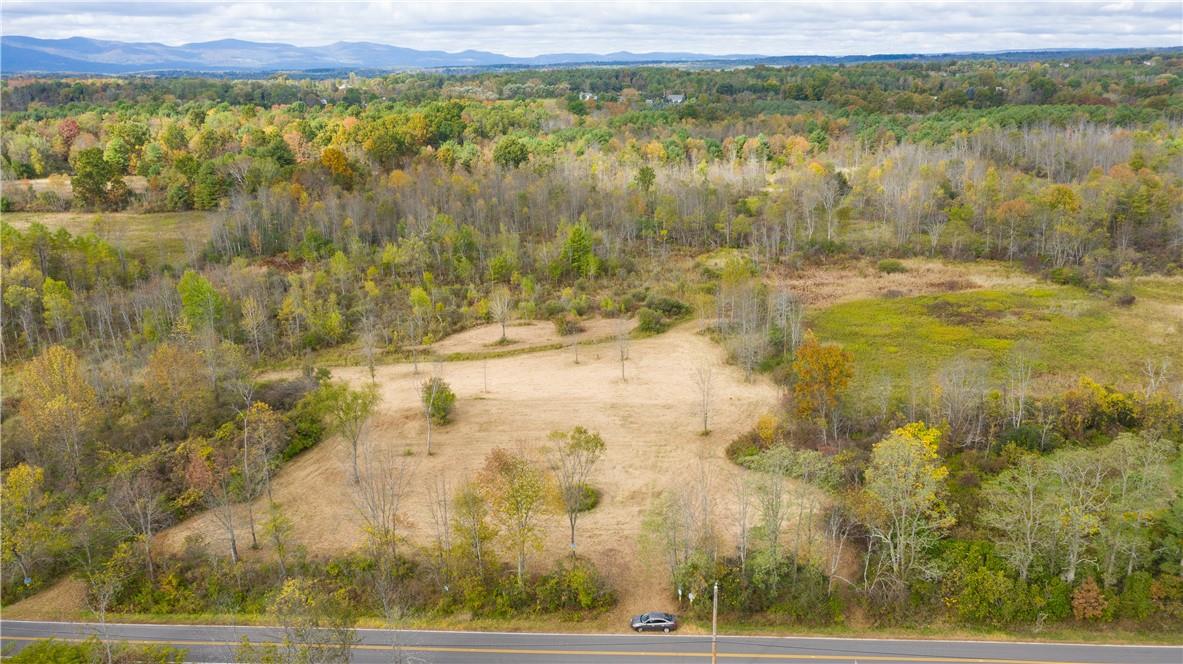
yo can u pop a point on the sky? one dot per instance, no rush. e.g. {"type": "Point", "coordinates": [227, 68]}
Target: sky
{"type": "Point", "coordinates": [834, 27]}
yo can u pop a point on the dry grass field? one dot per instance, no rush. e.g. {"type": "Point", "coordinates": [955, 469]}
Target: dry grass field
{"type": "Point", "coordinates": [526, 335]}
{"type": "Point", "coordinates": [648, 421]}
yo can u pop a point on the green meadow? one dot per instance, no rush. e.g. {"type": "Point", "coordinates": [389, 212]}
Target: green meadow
{"type": "Point", "coordinates": [1067, 332]}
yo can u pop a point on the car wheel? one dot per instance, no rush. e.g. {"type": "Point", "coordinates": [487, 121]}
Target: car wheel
{"type": "Point", "coordinates": [667, 630]}
{"type": "Point", "coordinates": [636, 629]}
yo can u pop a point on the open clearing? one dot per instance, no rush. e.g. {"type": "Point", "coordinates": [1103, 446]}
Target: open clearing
{"type": "Point", "coordinates": [649, 422]}
{"type": "Point", "coordinates": [827, 285]}
{"type": "Point", "coordinates": [1066, 331]}
{"type": "Point", "coordinates": [161, 238]}
{"type": "Point", "coordinates": [525, 335]}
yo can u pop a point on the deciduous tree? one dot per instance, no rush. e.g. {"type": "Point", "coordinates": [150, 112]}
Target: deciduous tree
{"type": "Point", "coordinates": [573, 456]}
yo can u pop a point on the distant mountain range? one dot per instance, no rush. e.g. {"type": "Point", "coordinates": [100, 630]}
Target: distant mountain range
{"type": "Point", "coordinates": [93, 56]}
{"type": "Point", "coordinates": [80, 55]}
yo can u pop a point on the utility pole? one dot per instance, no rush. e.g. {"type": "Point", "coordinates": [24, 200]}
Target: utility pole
{"type": "Point", "coordinates": [715, 625]}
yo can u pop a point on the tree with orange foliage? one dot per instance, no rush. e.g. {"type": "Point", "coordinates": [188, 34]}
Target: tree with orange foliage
{"type": "Point", "coordinates": [822, 373]}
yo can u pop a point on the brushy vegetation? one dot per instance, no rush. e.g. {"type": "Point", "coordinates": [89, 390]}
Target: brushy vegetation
{"type": "Point", "coordinates": [343, 225]}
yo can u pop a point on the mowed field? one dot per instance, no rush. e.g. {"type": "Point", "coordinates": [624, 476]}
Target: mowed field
{"type": "Point", "coordinates": [163, 238]}
{"type": "Point", "coordinates": [649, 422]}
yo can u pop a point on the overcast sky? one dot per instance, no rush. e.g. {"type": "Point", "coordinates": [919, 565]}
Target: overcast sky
{"type": "Point", "coordinates": [834, 27]}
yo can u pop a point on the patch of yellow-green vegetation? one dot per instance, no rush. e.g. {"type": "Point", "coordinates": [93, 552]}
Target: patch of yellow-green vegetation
{"type": "Point", "coordinates": [1160, 289]}
{"type": "Point", "coordinates": [1066, 331]}
{"type": "Point", "coordinates": [159, 237]}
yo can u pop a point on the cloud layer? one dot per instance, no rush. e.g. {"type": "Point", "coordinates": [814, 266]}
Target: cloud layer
{"type": "Point", "coordinates": [532, 28]}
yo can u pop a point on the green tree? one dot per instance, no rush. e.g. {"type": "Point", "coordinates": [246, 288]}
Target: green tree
{"type": "Point", "coordinates": [574, 455]}
{"type": "Point", "coordinates": [208, 187]}
{"type": "Point", "coordinates": [578, 256]}
{"type": "Point", "coordinates": [516, 491]}
{"type": "Point", "coordinates": [117, 154]}
{"type": "Point", "coordinates": [317, 624]}
{"type": "Point", "coordinates": [645, 178]}
{"type": "Point", "coordinates": [201, 305]}
{"type": "Point", "coordinates": [348, 412]}
{"type": "Point", "coordinates": [438, 400]}
{"type": "Point", "coordinates": [511, 152]}
{"type": "Point", "coordinates": [92, 174]}
{"type": "Point", "coordinates": [57, 305]}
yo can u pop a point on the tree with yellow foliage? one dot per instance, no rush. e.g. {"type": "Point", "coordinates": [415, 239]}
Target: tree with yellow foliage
{"type": "Point", "coordinates": [58, 405]}
{"type": "Point", "coordinates": [174, 382]}
{"type": "Point", "coordinates": [29, 533]}
{"type": "Point", "coordinates": [904, 508]}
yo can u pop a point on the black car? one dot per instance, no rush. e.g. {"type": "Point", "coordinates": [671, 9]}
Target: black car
{"type": "Point", "coordinates": [655, 621]}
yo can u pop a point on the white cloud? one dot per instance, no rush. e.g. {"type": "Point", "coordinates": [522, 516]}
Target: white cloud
{"type": "Point", "coordinates": [526, 28]}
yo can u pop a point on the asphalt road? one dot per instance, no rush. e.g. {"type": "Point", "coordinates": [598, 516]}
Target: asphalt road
{"type": "Point", "coordinates": [217, 643]}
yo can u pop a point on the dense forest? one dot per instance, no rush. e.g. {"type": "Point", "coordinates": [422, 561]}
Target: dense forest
{"type": "Point", "coordinates": [357, 221]}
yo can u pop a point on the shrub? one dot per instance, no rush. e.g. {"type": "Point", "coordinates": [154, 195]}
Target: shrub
{"type": "Point", "coordinates": [1056, 599]}
{"type": "Point", "coordinates": [891, 266]}
{"type": "Point", "coordinates": [667, 306]}
{"type": "Point", "coordinates": [745, 445]}
{"type": "Point", "coordinates": [574, 587]}
{"type": "Point", "coordinates": [553, 308]}
{"type": "Point", "coordinates": [1088, 602]}
{"type": "Point", "coordinates": [1167, 594]}
{"type": "Point", "coordinates": [985, 597]}
{"type": "Point", "coordinates": [307, 426]}
{"type": "Point", "coordinates": [90, 650]}
{"type": "Point", "coordinates": [439, 399]}
{"type": "Point", "coordinates": [589, 497]}
{"type": "Point", "coordinates": [567, 324]}
{"type": "Point", "coordinates": [1067, 276]}
{"type": "Point", "coordinates": [1135, 599]}
{"type": "Point", "coordinates": [650, 322]}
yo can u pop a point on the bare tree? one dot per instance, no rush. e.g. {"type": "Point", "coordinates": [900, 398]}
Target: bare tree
{"type": "Point", "coordinates": [255, 322]}
{"type": "Point", "coordinates": [839, 526]}
{"type": "Point", "coordinates": [1018, 387]}
{"type": "Point", "coordinates": [749, 329]}
{"type": "Point", "coordinates": [211, 471]}
{"type": "Point", "coordinates": [501, 308]}
{"type": "Point", "coordinates": [1156, 373]}
{"type": "Point", "coordinates": [573, 456]}
{"type": "Point", "coordinates": [741, 488]}
{"type": "Point", "coordinates": [378, 493]}
{"type": "Point", "coordinates": [961, 397]}
{"type": "Point", "coordinates": [439, 501]}
{"type": "Point", "coordinates": [704, 380]}
{"type": "Point", "coordinates": [137, 501]}
{"type": "Point", "coordinates": [787, 313]}
{"type": "Point", "coordinates": [622, 343]}
{"type": "Point", "coordinates": [369, 341]}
